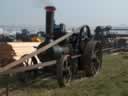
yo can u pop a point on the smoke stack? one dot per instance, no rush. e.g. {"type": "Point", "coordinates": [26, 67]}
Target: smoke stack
{"type": "Point", "coordinates": [50, 20]}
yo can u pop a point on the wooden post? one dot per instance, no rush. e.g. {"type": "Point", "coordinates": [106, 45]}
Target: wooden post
{"type": "Point", "coordinates": [7, 90]}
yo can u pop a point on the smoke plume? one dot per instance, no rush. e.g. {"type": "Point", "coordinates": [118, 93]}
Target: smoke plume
{"type": "Point", "coordinates": [42, 3]}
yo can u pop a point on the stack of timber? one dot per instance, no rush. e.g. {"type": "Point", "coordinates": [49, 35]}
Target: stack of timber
{"type": "Point", "coordinates": [12, 51]}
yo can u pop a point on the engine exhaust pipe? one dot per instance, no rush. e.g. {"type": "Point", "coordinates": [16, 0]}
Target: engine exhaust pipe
{"type": "Point", "coordinates": [50, 20]}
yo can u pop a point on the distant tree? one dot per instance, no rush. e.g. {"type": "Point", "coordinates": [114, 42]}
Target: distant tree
{"type": "Point", "coordinates": [25, 32]}
{"type": "Point", "coordinates": [25, 35]}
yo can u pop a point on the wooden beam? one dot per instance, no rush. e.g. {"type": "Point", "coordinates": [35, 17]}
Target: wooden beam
{"type": "Point", "coordinates": [23, 69]}
{"type": "Point", "coordinates": [13, 64]}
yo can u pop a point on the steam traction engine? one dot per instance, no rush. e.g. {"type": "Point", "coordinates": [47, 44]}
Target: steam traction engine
{"type": "Point", "coordinates": [69, 53]}
{"type": "Point", "coordinates": [78, 52]}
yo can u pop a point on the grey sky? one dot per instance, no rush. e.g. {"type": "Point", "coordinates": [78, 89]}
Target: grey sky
{"type": "Point", "coordinates": [71, 12]}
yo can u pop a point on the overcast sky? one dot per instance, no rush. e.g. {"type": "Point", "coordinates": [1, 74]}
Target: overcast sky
{"type": "Point", "coordinates": [71, 12]}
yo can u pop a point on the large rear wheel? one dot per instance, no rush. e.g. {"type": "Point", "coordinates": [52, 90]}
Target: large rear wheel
{"type": "Point", "coordinates": [92, 58]}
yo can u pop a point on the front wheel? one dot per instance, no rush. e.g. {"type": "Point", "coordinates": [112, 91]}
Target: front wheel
{"type": "Point", "coordinates": [64, 70]}
{"type": "Point", "coordinates": [27, 75]}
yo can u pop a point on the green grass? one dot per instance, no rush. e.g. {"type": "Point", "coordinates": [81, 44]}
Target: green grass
{"type": "Point", "coordinates": [111, 81]}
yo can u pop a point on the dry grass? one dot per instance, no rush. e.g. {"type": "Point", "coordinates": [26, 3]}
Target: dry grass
{"type": "Point", "coordinates": [111, 81]}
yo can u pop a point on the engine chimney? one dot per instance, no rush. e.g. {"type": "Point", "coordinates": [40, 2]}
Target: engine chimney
{"type": "Point", "coordinates": [50, 20]}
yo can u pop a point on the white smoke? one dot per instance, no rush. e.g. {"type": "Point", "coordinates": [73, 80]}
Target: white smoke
{"type": "Point", "coordinates": [42, 3]}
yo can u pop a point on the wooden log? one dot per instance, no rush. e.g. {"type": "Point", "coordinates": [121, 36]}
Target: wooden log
{"type": "Point", "coordinates": [17, 47]}
{"type": "Point", "coordinates": [13, 64]}
{"type": "Point", "coordinates": [12, 51]}
{"type": "Point", "coordinates": [23, 69]}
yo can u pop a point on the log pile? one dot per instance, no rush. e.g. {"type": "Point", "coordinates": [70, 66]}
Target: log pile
{"type": "Point", "coordinates": [10, 52]}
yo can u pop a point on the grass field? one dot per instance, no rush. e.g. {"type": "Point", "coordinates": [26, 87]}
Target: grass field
{"type": "Point", "coordinates": [111, 81]}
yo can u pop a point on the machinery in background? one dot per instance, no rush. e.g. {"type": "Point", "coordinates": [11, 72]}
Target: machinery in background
{"type": "Point", "coordinates": [110, 38]}
{"type": "Point", "coordinates": [103, 34]}
{"type": "Point", "coordinates": [39, 37]}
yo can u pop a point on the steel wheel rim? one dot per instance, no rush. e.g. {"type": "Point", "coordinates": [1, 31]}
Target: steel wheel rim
{"type": "Point", "coordinates": [67, 74]}
{"type": "Point", "coordinates": [96, 60]}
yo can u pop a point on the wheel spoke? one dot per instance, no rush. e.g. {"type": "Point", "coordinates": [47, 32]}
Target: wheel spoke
{"type": "Point", "coordinates": [64, 71]}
